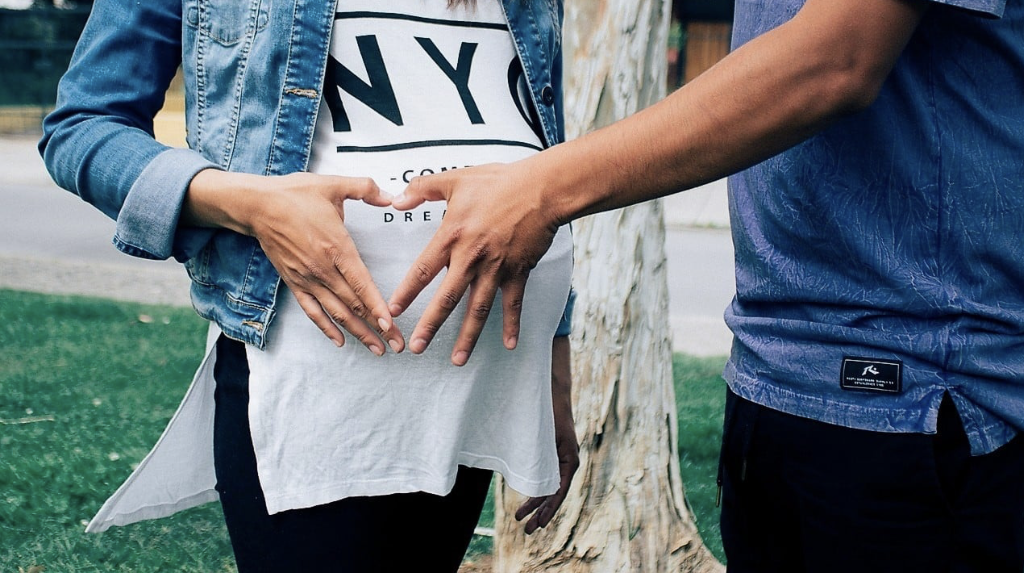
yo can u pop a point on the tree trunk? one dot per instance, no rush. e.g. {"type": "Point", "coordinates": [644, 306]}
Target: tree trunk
{"type": "Point", "coordinates": [626, 511]}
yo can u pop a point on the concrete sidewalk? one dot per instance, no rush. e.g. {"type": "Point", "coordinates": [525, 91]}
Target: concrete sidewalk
{"type": "Point", "coordinates": [702, 207]}
{"type": "Point", "coordinates": [52, 242]}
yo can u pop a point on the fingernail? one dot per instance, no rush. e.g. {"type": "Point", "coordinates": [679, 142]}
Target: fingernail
{"type": "Point", "coordinates": [395, 345]}
{"type": "Point", "coordinates": [395, 309]}
{"type": "Point", "coordinates": [418, 345]}
{"type": "Point", "coordinates": [460, 358]}
{"type": "Point", "coordinates": [398, 199]}
{"type": "Point", "coordinates": [387, 195]}
{"type": "Point", "coordinates": [384, 325]}
{"type": "Point", "coordinates": [510, 342]}
{"type": "Point", "coordinates": [338, 343]}
{"type": "Point", "coordinates": [377, 350]}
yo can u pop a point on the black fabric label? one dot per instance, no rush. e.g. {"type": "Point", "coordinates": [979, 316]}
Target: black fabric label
{"type": "Point", "coordinates": [872, 375]}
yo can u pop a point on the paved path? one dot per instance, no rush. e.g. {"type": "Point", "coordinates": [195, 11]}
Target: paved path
{"type": "Point", "coordinates": [52, 242]}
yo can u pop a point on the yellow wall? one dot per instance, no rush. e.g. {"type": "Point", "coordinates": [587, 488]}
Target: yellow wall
{"type": "Point", "coordinates": [706, 44]}
{"type": "Point", "coordinates": [169, 124]}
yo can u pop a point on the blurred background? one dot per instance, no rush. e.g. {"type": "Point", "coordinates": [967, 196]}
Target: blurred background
{"type": "Point", "coordinates": [96, 347]}
{"type": "Point", "coordinates": [37, 38]}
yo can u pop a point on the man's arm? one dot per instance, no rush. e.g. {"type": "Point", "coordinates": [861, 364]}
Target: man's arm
{"type": "Point", "coordinates": [777, 90]}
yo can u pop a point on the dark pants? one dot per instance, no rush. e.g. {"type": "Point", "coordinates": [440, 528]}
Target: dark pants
{"type": "Point", "coordinates": [800, 495]}
{"type": "Point", "coordinates": [409, 532]}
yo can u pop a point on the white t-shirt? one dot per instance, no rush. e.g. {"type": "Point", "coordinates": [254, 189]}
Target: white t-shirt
{"type": "Point", "coordinates": [413, 88]}
{"type": "Point", "coordinates": [418, 89]}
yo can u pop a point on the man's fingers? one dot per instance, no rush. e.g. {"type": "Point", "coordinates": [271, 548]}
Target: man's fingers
{"type": "Point", "coordinates": [423, 189]}
{"type": "Point", "coordinates": [445, 300]}
{"type": "Point", "coordinates": [426, 267]}
{"type": "Point", "coordinates": [512, 292]}
{"type": "Point", "coordinates": [478, 307]}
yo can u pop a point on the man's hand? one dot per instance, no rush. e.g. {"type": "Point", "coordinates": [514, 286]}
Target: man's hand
{"type": "Point", "coordinates": [299, 222]}
{"type": "Point", "coordinates": [544, 508]}
{"type": "Point", "coordinates": [494, 232]}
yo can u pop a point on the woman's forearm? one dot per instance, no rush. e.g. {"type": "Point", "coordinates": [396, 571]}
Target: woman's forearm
{"type": "Point", "coordinates": [220, 199]}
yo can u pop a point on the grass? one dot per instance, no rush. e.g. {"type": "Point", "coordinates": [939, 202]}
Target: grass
{"type": "Point", "coordinates": [700, 402]}
{"type": "Point", "coordinates": [87, 386]}
{"type": "Point", "coordinates": [110, 383]}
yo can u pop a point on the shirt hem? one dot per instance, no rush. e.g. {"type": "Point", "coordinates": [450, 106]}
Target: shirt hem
{"type": "Point", "coordinates": [919, 419]}
{"type": "Point", "coordinates": [435, 485]}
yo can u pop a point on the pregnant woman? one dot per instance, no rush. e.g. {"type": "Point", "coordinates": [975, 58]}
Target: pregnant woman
{"type": "Point", "coordinates": [302, 115]}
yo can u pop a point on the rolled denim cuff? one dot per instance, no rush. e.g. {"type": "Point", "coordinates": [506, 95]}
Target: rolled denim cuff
{"type": "Point", "coordinates": [147, 225]}
{"type": "Point", "coordinates": [565, 324]}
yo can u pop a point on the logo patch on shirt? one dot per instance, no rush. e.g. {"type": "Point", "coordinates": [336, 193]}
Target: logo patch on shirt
{"type": "Point", "coordinates": [872, 375]}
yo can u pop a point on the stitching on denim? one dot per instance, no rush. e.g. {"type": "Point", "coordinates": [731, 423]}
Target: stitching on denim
{"type": "Point", "coordinates": [200, 79]}
{"type": "Point", "coordinates": [243, 66]}
{"type": "Point", "coordinates": [531, 78]}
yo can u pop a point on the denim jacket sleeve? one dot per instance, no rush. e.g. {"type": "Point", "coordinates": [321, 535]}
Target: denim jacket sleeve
{"type": "Point", "coordinates": [98, 143]}
{"type": "Point", "coordinates": [565, 324]}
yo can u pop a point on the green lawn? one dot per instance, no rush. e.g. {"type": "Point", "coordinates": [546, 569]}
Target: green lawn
{"type": "Point", "coordinates": [86, 387]}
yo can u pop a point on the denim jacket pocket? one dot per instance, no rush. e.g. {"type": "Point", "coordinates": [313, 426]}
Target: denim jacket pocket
{"type": "Point", "coordinates": [227, 21]}
{"type": "Point", "coordinates": [198, 267]}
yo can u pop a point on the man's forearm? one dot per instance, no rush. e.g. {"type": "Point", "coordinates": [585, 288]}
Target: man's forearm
{"type": "Point", "coordinates": [765, 97]}
{"type": "Point", "coordinates": [777, 90]}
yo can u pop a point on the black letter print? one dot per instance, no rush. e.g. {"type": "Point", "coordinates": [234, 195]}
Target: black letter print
{"type": "Point", "coordinates": [459, 75]}
{"type": "Point", "coordinates": [378, 95]}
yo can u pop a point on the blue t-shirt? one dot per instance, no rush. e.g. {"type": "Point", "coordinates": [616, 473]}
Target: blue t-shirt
{"type": "Point", "coordinates": [880, 263]}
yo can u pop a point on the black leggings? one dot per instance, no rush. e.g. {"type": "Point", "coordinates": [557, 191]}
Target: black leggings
{"type": "Point", "coordinates": [409, 532]}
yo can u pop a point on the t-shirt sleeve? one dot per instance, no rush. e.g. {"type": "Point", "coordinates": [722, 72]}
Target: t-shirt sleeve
{"type": "Point", "coordinates": [990, 7]}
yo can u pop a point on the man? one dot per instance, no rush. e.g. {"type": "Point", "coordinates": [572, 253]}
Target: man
{"type": "Point", "coordinates": [876, 378]}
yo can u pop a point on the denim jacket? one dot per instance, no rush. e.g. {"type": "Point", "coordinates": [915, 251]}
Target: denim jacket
{"type": "Point", "coordinates": [253, 72]}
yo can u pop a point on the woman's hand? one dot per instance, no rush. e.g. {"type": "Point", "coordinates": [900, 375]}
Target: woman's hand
{"type": "Point", "coordinates": [544, 508]}
{"type": "Point", "coordinates": [298, 220]}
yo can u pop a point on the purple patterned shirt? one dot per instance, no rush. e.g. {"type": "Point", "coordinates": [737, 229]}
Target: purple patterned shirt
{"type": "Point", "coordinates": [880, 264]}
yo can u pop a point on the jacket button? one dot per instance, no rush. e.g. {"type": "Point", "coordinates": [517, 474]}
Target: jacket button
{"type": "Point", "coordinates": [547, 95]}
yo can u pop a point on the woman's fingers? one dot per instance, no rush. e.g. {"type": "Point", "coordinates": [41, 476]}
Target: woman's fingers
{"type": "Point", "coordinates": [422, 189]}
{"type": "Point", "coordinates": [529, 507]}
{"type": "Point", "coordinates": [316, 313]}
{"type": "Point", "coordinates": [364, 189]}
{"type": "Point", "coordinates": [355, 288]}
{"type": "Point", "coordinates": [301, 228]}
{"type": "Point", "coordinates": [545, 508]}
{"type": "Point", "coordinates": [343, 316]}
{"type": "Point", "coordinates": [328, 313]}
{"type": "Point", "coordinates": [542, 509]}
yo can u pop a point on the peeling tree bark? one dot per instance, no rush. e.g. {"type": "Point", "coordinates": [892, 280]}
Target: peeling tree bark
{"type": "Point", "coordinates": [626, 511]}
